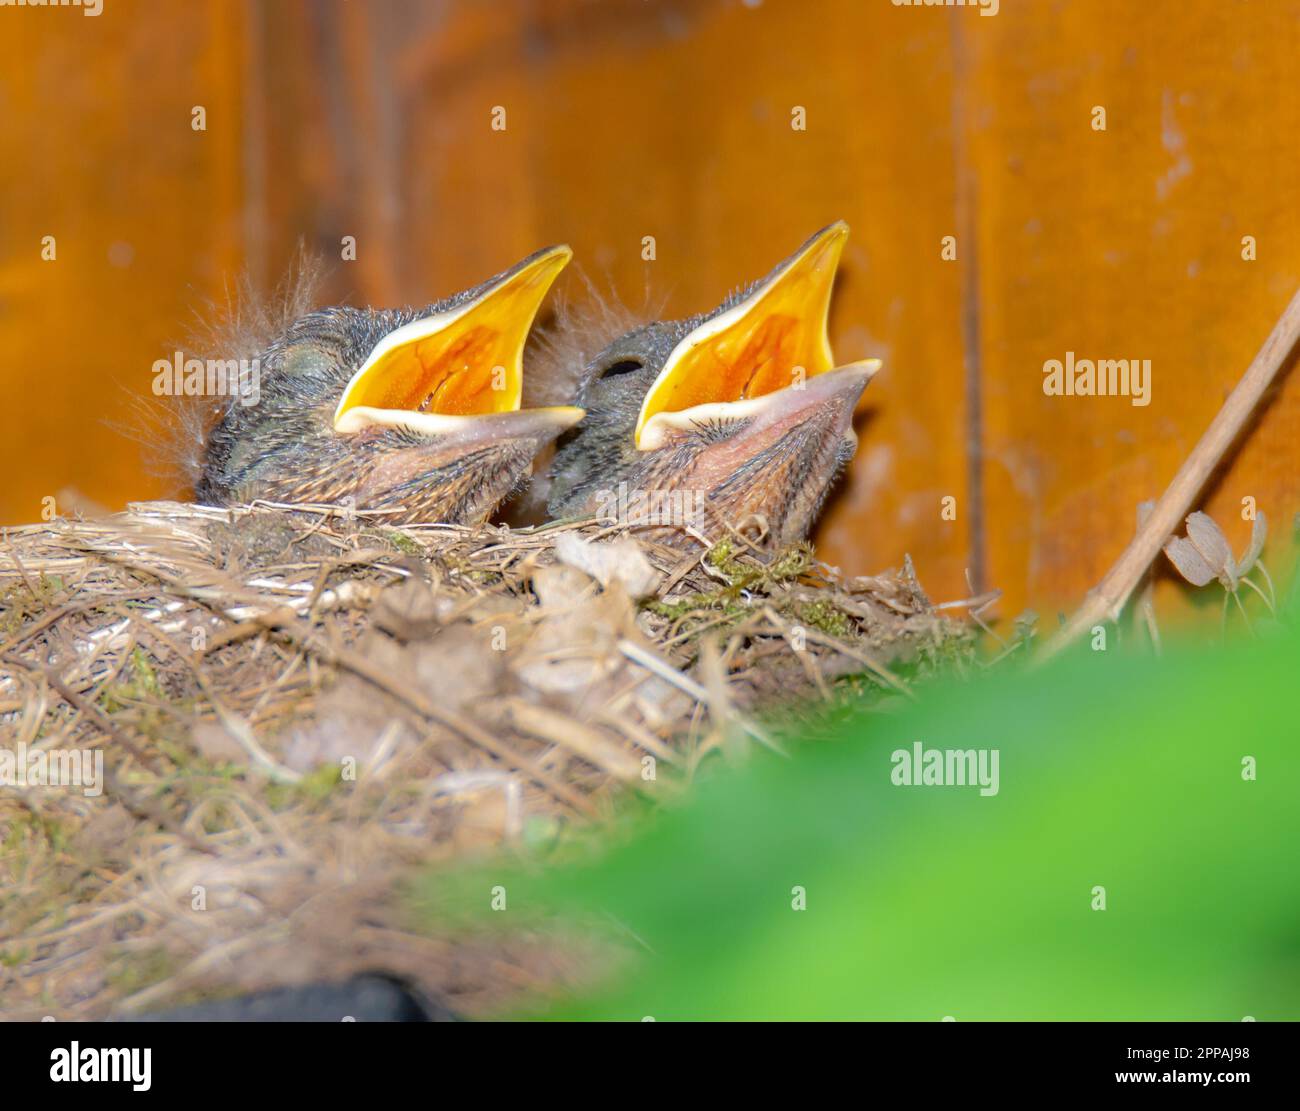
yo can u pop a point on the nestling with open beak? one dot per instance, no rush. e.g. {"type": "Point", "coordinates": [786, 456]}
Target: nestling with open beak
{"type": "Point", "coordinates": [411, 410]}
{"type": "Point", "coordinates": [736, 416]}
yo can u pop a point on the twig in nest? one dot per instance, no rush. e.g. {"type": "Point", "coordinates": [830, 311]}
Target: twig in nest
{"type": "Point", "coordinates": [143, 808]}
{"type": "Point", "coordinates": [363, 668]}
{"type": "Point", "coordinates": [879, 670]}
{"type": "Point", "coordinates": [670, 674]}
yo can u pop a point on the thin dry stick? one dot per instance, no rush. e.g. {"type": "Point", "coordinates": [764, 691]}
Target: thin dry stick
{"type": "Point", "coordinates": [670, 674]}
{"type": "Point", "coordinates": [865, 658]}
{"type": "Point", "coordinates": [305, 637]}
{"type": "Point", "coordinates": [1107, 599]}
{"type": "Point", "coordinates": [143, 808]}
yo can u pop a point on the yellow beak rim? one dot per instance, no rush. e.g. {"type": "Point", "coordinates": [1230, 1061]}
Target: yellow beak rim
{"type": "Point", "coordinates": [465, 362]}
{"type": "Point", "coordinates": [776, 337]}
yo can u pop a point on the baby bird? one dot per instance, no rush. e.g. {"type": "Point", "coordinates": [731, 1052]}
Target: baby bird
{"type": "Point", "coordinates": [736, 417]}
{"type": "Point", "coordinates": [416, 411]}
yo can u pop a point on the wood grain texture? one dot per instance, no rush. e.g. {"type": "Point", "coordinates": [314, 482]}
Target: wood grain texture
{"type": "Point", "coordinates": [96, 150]}
{"type": "Point", "coordinates": [1128, 244]}
{"type": "Point", "coordinates": [671, 118]}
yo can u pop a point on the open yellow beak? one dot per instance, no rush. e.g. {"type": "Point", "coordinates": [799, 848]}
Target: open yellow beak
{"type": "Point", "coordinates": [465, 362]}
{"type": "Point", "coordinates": [775, 338]}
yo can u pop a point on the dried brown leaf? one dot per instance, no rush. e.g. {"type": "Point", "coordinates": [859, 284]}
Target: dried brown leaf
{"type": "Point", "coordinates": [1185, 556]}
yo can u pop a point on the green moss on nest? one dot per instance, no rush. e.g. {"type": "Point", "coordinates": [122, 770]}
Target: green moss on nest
{"type": "Point", "coordinates": [141, 686]}
{"type": "Point", "coordinates": [29, 826]}
{"type": "Point", "coordinates": [130, 972]}
{"type": "Point", "coordinates": [750, 574]}
{"type": "Point", "coordinates": [747, 576]}
{"type": "Point", "coordinates": [402, 542]}
{"type": "Point", "coordinates": [826, 616]}
{"type": "Point", "coordinates": [311, 789]}
{"type": "Point", "coordinates": [20, 602]}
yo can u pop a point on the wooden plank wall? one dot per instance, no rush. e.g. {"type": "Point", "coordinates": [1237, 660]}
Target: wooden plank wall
{"type": "Point", "coordinates": [671, 118]}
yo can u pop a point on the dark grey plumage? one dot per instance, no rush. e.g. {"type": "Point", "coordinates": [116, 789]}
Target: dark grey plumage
{"type": "Point", "coordinates": [738, 467]}
{"type": "Point", "coordinates": [612, 388]}
{"type": "Point", "coordinates": [285, 447]}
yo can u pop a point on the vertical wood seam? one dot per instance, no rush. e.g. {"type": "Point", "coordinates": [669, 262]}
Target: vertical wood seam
{"type": "Point", "coordinates": [967, 205]}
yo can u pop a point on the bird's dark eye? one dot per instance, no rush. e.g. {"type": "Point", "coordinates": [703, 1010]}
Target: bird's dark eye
{"type": "Point", "coordinates": [625, 366]}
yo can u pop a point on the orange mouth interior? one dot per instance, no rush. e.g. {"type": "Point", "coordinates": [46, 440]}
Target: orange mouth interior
{"type": "Point", "coordinates": [775, 338]}
{"type": "Point", "coordinates": [752, 358]}
{"type": "Point", "coordinates": [450, 373]}
{"type": "Point", "coordinates": [467, 361]}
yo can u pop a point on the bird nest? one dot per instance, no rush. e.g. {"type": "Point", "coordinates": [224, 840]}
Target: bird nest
{"type": "Point", "coordinates": [295, 707]}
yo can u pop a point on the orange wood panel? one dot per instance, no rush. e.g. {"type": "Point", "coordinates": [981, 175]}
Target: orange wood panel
{"type": "Point", "coordinates": [97, 150]}
{"type": "Point", "coordinates": [1127, 244]}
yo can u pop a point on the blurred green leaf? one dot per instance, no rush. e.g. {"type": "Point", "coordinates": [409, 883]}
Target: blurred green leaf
{"type": "Point", "coordinates": [922, 902]}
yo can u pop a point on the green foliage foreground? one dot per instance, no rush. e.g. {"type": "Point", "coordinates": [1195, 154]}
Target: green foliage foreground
{"type": "Point", "coordinates": [1116, 772]}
